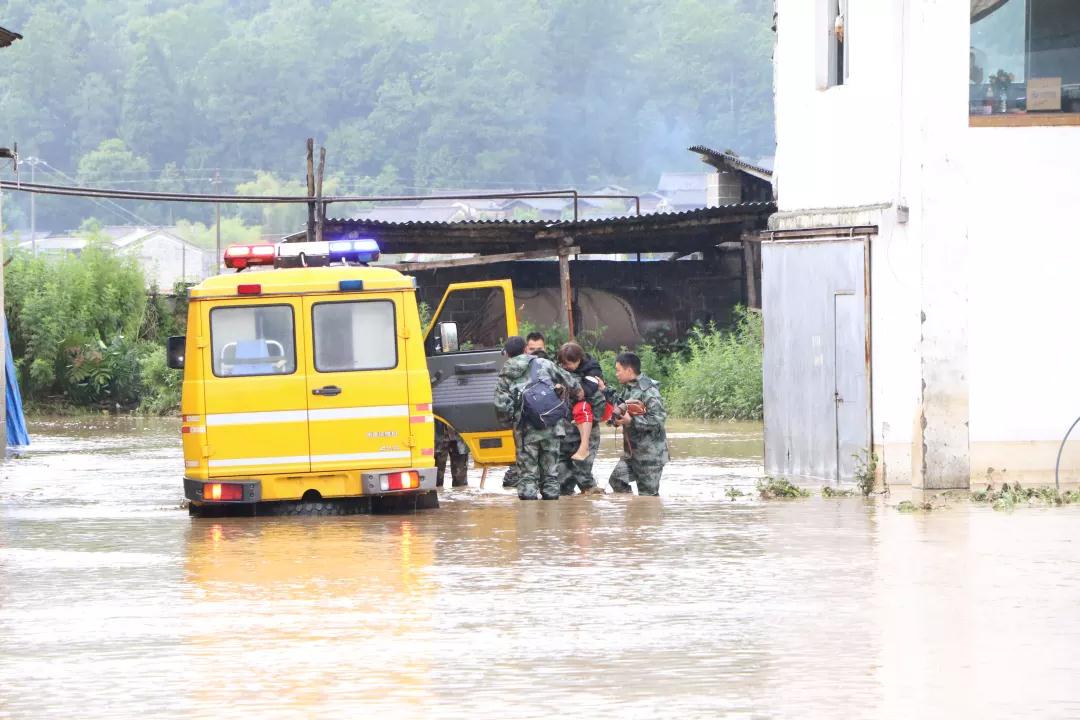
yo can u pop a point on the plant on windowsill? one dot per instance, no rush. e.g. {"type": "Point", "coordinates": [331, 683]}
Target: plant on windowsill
{"type": "Point", "coordinates": [999, 84]}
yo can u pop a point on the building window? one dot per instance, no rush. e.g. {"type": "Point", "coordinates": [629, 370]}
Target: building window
{"type": "Point", "coordinates": [1025, 62]}
{"type": "Point", "coordinates": [835, 31]}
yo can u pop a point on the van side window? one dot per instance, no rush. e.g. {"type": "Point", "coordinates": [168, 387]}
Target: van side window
{"type": "Point", "coordinates": [255, 340]}
{"type": "Point", "coordinates": [357, 335]}
{"type": "Point", "coordinates": [480, 314]}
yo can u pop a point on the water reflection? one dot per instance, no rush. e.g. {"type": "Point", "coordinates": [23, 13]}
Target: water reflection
{"type": "Point", "coordinates": [113, 603]}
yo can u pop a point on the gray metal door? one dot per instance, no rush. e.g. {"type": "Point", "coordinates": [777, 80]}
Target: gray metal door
{"type": "Point", "coordinates": [816, 380]}
{"type": "Point", "coordinates": [849, 350]}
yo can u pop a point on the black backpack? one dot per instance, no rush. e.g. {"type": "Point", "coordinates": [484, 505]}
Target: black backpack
{"type": "Point", "coordinates": [541, 406]}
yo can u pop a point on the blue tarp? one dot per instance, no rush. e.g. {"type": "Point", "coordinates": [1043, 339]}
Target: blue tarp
{"type": "Point", "coordinates": [16, 422]}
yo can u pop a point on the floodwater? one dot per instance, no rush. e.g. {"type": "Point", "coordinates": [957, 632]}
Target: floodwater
{"type": "Point", "coordinates": [115, 604]}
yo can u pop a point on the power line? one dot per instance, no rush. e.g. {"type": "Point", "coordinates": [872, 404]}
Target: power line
{"type": "Point", "coordinates": [115, 194]}
{"type": "Point", "coordinates": [105, 203]}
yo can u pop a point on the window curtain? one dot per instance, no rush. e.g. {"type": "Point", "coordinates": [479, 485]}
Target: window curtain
{"type": "Point", "coordinates": [982, 8]}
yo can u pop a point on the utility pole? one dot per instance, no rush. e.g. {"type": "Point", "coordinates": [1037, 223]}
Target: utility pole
{"type": "Point", "coordinates": [33, 163]}
{"type": "Point", "coordinates": [217, 223]}
{"type": "Point", "coordinates": [318, 194]}
{"type": "Point", "coordinates": [311, 189]}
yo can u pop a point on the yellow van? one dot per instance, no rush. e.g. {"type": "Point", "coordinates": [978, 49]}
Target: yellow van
{"type": "Point", "coordinates": [308, 378]}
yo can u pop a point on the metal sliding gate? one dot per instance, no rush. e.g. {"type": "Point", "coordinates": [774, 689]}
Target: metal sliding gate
{"type": "Point", "coordinates": [815, 301]}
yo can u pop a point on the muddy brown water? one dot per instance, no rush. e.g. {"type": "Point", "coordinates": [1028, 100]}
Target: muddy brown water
{"type": "Point", "coordinates": [114, 603]}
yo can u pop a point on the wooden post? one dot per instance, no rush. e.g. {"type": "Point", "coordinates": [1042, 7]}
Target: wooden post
{"type": "Point", "coordinates": [321, 221]}
{"type": "Point", "coordinates": [566, 290]}
{"type": "Point", "coordinates": [311, 189]}
{"type": "Point", "coordinates": [750, 272]}
{"type": "Point", "coordinates": [483, 477]}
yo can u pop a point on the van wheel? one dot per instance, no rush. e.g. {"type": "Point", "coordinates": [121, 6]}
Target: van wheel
{"type": "Point", "coordinates": [393, 504]}
{"type": "Point", "coordinates": [321, 508]}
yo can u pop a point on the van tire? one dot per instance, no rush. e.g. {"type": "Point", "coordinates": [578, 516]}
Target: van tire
{"type": "Point", "coordinates": [397, 504]}
{"type": "Point", "coordinates": [321, 508]}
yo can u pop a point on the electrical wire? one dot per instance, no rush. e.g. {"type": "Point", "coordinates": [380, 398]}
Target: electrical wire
{"type": "Point", "coordinates": [87, 192]}
{"type": "Point", "coordinates": [1057, 465]}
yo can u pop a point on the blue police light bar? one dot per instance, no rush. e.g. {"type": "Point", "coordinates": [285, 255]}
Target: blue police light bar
{"type": "Point", "coordinates": [318, 254]}
{"type": "Point", "coordinates": [364, 250]}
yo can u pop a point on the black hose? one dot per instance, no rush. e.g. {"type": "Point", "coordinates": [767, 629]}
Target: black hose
{"type": "Point", "coordinates": [1057, 466]}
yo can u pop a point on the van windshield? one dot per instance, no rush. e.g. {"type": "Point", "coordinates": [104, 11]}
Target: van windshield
{"type": "Point", "coordinates": [253, 340]}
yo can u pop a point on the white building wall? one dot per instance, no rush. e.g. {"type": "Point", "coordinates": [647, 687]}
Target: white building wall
{"type": "Point", "coordinates": [972, 286]}
{"type": "Point", "coordinates": [1025, 260]}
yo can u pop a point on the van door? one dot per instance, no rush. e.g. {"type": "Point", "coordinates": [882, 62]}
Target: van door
{"type": "Point", "coordinates": [357, 384]}
{"type": "Point", "coordinates": [463, 380]}
{"type": "Point", "coordinates": [255, 390]}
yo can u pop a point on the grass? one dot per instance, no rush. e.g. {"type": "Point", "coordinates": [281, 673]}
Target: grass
{"type": "Point", "coordinates": [774, 489]}
{"type": "Point", "coordinates": [1007, 497]}
{"type": "Point", "coordinates": [830, 492]}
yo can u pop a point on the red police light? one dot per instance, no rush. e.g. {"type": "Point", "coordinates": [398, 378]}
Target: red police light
{"type": "Point", "coordinates": [239, 257]}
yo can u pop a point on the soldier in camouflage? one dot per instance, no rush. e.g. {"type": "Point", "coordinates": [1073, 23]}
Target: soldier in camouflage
{"type": "Point", "coordinates": [645, 450]}
{"type": "Point", "coordinates": [577, 473]}
{"type": "Point", "coordinates": [450, 446]}
{"type": "Point", "coordinates": [538, 449]}
{"type": "Point", "coordinates": [534, 345]}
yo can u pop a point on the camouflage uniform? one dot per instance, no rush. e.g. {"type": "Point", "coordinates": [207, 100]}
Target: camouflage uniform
{"type": "Point", "coordinates": [578, 473]}
{"type": "Point", "coordinates": [537, 450]}
{"type": "Point", "coordinates": [448, 444]}
{"type": "Point", "coordinates": [510, 478]}
{"type": "Point", "coordinates": [645, 449]}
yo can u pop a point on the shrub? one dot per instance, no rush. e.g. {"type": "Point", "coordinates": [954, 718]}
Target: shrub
{"type": "Point", "coordinates": [64, 311]}
{"type": "Point", "coordinates": [161, 384]}
{"type": "Point", "coordinates": [719, 376]}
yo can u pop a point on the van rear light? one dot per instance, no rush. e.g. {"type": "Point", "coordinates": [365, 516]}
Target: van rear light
{"type": "Point", "coordinates": [223, 491]}
{"type": "Point", "coordinates": [401, 480]}
{"type": "Point", "coordinates": [251, 289]}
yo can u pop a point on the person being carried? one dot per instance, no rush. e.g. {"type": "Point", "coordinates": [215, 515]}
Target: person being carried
{"type": "Point", "coordinates": [582, 442]}
{"type": "Point", "coordinates": [641, 415]}
{"type": "Point", "coordinates": [526, 394]}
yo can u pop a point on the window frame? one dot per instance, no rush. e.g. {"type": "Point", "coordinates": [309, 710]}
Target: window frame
{"type": "Point", "coordinates": [314, 329]}
{"type": "Point", "coordinates": [292, 320]}
{"type": "Point", "coordinates": [1026, 118]}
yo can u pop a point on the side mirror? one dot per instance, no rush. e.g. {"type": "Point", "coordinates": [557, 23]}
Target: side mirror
{"type": "Point", "coordinates": [448, 337]}
{"type": "Point", "coordinates": [174, 352]}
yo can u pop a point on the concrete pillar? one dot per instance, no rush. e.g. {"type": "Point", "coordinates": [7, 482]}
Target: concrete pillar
{"type": "Point", "coordinates": [934, 126]}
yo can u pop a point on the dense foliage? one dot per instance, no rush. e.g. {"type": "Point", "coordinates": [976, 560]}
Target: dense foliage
{"type": "Point", "coordinates": [406, 94]}
{"type": "Point", "coordinates": [710, 374]}
{"type": "Point", "coordinates": [84, 332]}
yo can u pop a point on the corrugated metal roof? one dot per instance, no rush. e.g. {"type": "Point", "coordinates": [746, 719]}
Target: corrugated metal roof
{"type": "Point", "coordinates": [702, 213]}
{"type": "Point", "coordinates": [7, 37]}
{"type": "Point", "coordinates": [715, 157]}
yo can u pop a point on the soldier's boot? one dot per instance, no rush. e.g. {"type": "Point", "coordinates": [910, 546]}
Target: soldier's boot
{"type": "Point", "coordinates": [510, 479]}
{"type": "Point", "coordinates": [527, 489]}
{"type": "Point", "coordinates": [459, 470]}
{"type": "Point", "coordinates": [567, 488]}
{"type": "Point", "coordinates": [593, 490]}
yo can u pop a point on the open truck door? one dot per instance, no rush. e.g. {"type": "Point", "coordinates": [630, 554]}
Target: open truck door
{"type": "Point", "coordinates": [464, 345]}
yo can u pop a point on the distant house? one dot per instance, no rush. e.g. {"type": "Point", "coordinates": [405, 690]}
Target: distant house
{"type": "Point", "coordinates": [165, 257]}
{"type": "Point", "coordinates": [686, 191]}
{"type": "Point", "coordinates": [538, 209]}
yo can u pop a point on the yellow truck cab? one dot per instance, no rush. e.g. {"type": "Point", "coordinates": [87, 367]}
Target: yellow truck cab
{"type": "Point", "coordinates": [308, 378]}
